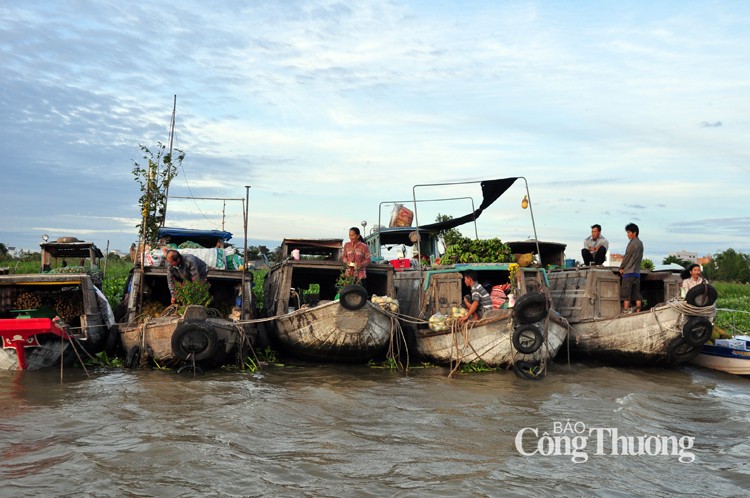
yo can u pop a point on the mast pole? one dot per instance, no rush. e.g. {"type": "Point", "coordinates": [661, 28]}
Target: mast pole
{"type": "Point", "coordinates": [169, 166]}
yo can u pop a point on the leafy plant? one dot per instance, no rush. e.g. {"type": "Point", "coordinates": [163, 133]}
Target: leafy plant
{"type": "Point", "coordinates": [389, 363]}
{"type": "Point", "coordinates": [259, 276]}
{"type": "Point", "coordinates": [195, 292]}
{"type": "Point", "coordinates": [345, 279]}
{"type": "Point", "coordinates": [466, 250]}
{"type": "Point", "coordinates": [101, 359]}
{"type": "Point", "coordinates": [449, 236]}
{"type": "Point", "coordinates": [647, 264]}
{"type": "Point", "coordinates": [154, 178]}
{"type": "Point", "coordinates": [674, 259]}
{"type": "Point", "coordinates": [476, 366]}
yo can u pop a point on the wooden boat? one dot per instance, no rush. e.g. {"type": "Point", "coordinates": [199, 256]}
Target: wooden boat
{"type": "Point", "coordinates": [731, 355]}
{"type": "Point", "coordinates": [506, 338]}
{"type": "Point", "coordinates": [531, 332]}
{"type": "Point", "coordinates": [57, 315]}
{"type": "Point", "coordinates": [198, 337]}
{"type": "Point", "coordinates": [669, 330]}
{"type": "Point", "coordinates": [310, 323]}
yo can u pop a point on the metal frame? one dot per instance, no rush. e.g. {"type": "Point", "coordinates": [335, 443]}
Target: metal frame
{"type": "Point", "coordinates": [476, 233]}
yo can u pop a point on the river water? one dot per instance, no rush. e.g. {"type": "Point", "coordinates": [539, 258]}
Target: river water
{"type": "Point", "coordinates": [357, 431]}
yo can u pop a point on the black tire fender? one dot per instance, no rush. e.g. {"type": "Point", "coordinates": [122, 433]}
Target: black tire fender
{"type": "Point", "coordinates": [113, 341]}
{"type": "Point", "coordinates": [701, 295]}
{"type": "Point", "coordinates": [133, 358]}
{"type": "Point", "coordinates": [353, 297]}
{"type": "Point", "coordinates": [528, 371]}
{"type": "Point", "coordinates": [527, 339]}
{"type": "Point", "coordinates": [697, 330]}
{"type": "Point", "coordinates": [531, 307]}
{"type": "Point", "coordinates": [680, 351]}
{"type": "Point", "coordinates": [197, 339]}
{"type": "Point", "coordinates": [194, 369]}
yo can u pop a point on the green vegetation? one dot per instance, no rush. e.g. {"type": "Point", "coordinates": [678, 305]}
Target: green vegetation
{"type": "Point", "coordinates": [450, 236]}
{"type": "Point", "coordinates": [195, 292]}
{"type": "Point", "coordinates": [729, 266]}
{"type": "Point", "coordinates": [476, 366]}
{"type": "Point", "coordinates": [255, 362]}
{"type": "Point", "coordinates": [460, 249]}
{"type": "Point", "coordinates": [674, 259]}
{"type": "Point", "coordinates": [466, 250]}
{"type": "Point", "coordinates": [259, 276]}
{"type": "Point", "coordinates": [154, 178]}
{"type": "Point", "coordinates": [647, 264]}
{"type": "Point", "coordinates": [737, 297]}
{"type": "Point", "coordinates": [113, 284]}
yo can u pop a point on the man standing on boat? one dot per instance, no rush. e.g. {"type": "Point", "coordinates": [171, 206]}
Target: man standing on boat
{"type": "Point", "coordinates": [595, 247]}
{"type": "Point", "coordinates": [184, 268]}
{"type": "Point", "coordinates": [481, 302]}
{"type": "Point", "coordinates": [630, 269]}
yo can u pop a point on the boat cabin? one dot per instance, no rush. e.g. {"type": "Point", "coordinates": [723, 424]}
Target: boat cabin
{"type": "Point", "coordinates": [230, 285]}
{"type": "Point", "coordinates": [309, 272]}
{"type": "Point", "coordinates": [385, 244]}
{"type": "Point", "coordinates": [424, 293]}
{"type": "Point", "coordinates": [547, 253]}
{"type": "Point", "coordinates": [69, 252]}
{"type": "Point", "coordinates": [590, 293]}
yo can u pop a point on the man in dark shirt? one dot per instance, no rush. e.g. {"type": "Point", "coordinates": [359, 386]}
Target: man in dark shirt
{"type": "Point", "coordinates": [184, 268]}
{"type": "Point", "coordinates": [630, 269]}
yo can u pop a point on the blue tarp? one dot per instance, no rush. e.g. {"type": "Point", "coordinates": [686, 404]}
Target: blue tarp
{"type": "Point", "coordinates": [194, 233]}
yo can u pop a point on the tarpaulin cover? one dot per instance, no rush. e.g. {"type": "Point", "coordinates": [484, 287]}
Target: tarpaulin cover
{"type": "Point", "coordinates": [189, 232]}
{"type": "Point", "coordinates": [491, 191]}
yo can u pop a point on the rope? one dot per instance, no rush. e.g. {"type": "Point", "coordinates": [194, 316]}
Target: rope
{"type": "Point", "coordinates": [687, 309]}
{"type": "Point", "coordinates": [394, 347]}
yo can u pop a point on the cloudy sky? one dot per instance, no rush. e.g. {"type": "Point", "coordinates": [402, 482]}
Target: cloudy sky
{"type": "Point", "coordinates": [614, 111]}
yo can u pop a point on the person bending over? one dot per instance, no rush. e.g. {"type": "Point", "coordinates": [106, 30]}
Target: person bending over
{"type": "Point", "coordinates": [184, 268]}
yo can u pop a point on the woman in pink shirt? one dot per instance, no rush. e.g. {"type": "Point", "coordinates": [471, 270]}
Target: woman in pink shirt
{"type": "Point", "coordinates": [356, 255]}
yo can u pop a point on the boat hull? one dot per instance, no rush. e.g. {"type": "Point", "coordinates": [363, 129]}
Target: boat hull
{"type": "Point", "coordinates": [650, 338]}
{"type": "Point", "coordinates": [489, 341]}
{"type": "Point", "coordinates": [176, 340]}
{"type": "Point", "coordinates": [331, 333]}
{"type": "Point", "coordinates": [51, 350]}
{"type": "Point", "coordinates": [728, 360]}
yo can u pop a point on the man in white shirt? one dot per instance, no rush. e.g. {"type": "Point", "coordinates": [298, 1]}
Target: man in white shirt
{"type": "Point", "coordinates": [595, 247]}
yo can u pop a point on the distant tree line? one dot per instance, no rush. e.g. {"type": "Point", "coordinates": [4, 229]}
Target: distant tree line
{"type": "Point", "coordinates": [726, 266]}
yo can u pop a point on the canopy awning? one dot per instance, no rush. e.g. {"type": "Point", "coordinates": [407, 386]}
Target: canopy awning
{"type": "Point", "coordinates": [491, 191]}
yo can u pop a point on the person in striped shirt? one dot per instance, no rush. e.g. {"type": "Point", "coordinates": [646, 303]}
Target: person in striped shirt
{"type": "Point", "coordinates": [479, 302]}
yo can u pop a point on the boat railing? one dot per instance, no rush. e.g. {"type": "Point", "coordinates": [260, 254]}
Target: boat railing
{"type": "Point", "coordinates": [736, 316]}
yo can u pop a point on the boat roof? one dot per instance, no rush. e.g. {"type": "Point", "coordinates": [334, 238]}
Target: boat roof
{"type": "Point", "coordinates": [206, 238]}
{"type": "Point", "coordinates": [399, 235]}
{"type": "Point", "coordinates": [74, 249]}
{"type": "Point", "coordinates": [312, 247]}
{"type": "Point", "coordinates": [192, 232]}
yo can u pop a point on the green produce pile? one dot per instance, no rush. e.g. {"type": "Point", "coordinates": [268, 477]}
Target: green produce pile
{"type": "Point", "coordinates": [466, 250]}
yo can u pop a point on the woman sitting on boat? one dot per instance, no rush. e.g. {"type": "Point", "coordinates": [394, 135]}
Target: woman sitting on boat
{"type": "Point", "coordinates": [692, 277]}
{"type": "Point", "coordinates": [356, 255]}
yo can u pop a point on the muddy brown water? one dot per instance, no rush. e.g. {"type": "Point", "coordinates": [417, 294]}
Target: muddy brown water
{"type": "Point", "coordinates": [356, 431]}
